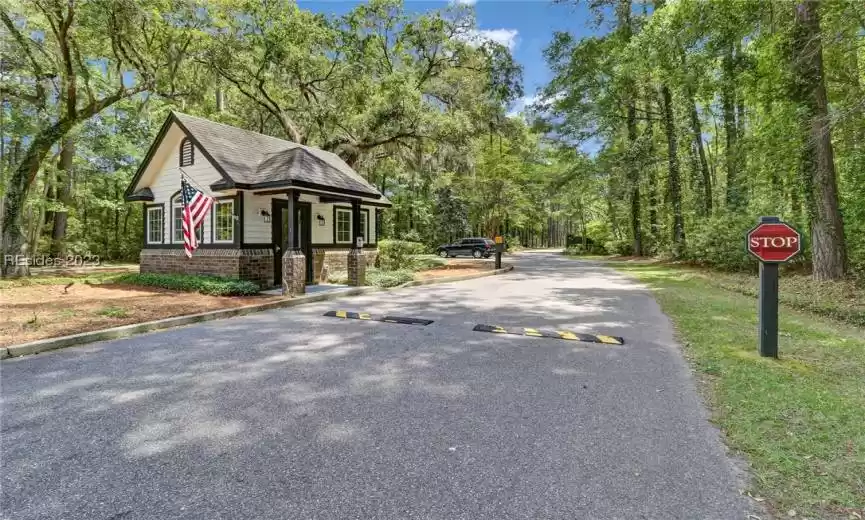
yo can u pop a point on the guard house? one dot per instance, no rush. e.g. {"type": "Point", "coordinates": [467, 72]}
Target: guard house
{"type": "Point", "coordinates": [284, 213]}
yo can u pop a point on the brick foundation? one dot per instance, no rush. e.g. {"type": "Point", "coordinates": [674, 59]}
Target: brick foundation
{"type": "Point", "coordinates": [255, 265]}
{"type": "Point", "coordinates": [326, 261]}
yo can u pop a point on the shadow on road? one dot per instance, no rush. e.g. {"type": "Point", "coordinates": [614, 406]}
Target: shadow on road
{"type": "Point", "coordinates": [292, 414]}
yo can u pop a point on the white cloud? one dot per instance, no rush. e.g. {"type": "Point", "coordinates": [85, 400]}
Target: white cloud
{"type": "Point", "coordinates": [464, 2]}
{"type": "Point", "coordinates": [524, 102]}
{"type": "Point", "coordinates": [521, 104]}
{"type": "Point", "coordinates": [506, 37]}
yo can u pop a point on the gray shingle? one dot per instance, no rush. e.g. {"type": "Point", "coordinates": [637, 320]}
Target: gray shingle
{"type": "Point", "coordinates": [252, 158]}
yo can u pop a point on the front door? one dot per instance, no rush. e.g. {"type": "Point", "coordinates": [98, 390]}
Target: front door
{"type": "Point", "coordinates": [302, 230]}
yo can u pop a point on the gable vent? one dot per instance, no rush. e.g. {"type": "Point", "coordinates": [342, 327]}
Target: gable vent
{"type": "Point", "coordinates": [187, 153]}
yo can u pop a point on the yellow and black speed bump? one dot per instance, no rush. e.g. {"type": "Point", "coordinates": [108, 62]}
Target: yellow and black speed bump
{"type": "Point", "coordinates": [366, 316]}
{"type": "Point", "coordinates": [556, 334]}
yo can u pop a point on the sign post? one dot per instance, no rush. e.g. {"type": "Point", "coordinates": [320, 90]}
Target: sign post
{"type": "Point", "coordinates": [500, 245]}
{"type": "Point", "coordinates": [773, 242]}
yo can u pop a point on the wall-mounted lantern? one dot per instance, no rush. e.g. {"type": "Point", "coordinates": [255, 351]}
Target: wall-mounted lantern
{"type": "Point", "coordinates": [264, 213]}
{"type": "Point", "coordinates": [320, 219]}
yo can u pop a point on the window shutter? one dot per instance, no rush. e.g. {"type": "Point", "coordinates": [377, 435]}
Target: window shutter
{"type": "Point", "coordinates": [187, 153]}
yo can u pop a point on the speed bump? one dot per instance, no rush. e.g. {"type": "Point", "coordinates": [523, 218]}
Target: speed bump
{"type": "Point", "coordinates": [367, 316]}
{"type": "Point", "coordinates": [555, 334]}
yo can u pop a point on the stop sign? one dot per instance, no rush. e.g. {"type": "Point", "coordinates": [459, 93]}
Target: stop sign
{"type": "Point", "coordinates": [774, 242]}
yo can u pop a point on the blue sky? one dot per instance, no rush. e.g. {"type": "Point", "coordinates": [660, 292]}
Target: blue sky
{"type": "Point", "coordinates": [523, 25]}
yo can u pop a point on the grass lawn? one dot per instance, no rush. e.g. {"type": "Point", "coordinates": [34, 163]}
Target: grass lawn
{"type": "Point", "coordinates": [799, 420]}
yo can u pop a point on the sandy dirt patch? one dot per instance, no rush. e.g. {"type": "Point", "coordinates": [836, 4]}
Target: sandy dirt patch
{"type": "Point", "coordinates": [37, 312]}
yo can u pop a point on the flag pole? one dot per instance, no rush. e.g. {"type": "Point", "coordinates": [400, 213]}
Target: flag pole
{"type": "Point", "coordinates": [184, 175]}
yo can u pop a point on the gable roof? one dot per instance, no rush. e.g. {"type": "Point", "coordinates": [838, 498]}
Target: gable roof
{"type": "Point", "coordinates": [249, 160]}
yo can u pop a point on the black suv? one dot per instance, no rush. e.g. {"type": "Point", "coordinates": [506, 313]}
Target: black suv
{"type": "Point", "coordinates": [475, 246]}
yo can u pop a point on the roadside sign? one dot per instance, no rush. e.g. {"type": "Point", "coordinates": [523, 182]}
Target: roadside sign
{"type": "Point", "coordinates": [774, 242]}
{"type": "Point", "coordinates": [500, 246]}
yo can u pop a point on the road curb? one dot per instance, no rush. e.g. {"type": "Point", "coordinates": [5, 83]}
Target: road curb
{"type": "Point", "coordinates": [431, 281]}
{"type": "Point", "coordinates": [44, 345]}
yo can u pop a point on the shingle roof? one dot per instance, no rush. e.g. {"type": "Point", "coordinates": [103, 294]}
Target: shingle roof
{"type": "Point", "coordinates": [254, 159]}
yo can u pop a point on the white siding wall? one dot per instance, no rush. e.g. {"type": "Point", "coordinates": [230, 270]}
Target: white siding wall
{"type": "Point", "coordinates": [167, 179]}
{"type": "Point", "coordinates": [256, 230]}
{"type": "Point", "coordinates": [322, 234]}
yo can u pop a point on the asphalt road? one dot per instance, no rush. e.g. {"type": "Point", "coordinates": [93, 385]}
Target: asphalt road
{"type": "Point", "coordinates": [289, 414]}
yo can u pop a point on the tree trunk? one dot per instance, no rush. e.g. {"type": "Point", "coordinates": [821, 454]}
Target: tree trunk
{"type": "Point", "coordinates": [828, 249]}
{"type": "Point", "coordinates": [64, 198]}
{"type": "Point", "coordinates": [697, 135]}
{"type": "Point", "coordinates": [623, 14]}
{"type": "Point", "coordinates": [728, 104]}
{"type": "Point", "coordinates": [611, 211]}
{"type": "Point", "coordinates": [653, 176]}
{"type": "Point", "coordinates": [673, 177]}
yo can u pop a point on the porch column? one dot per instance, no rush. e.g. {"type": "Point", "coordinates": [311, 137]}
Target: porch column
{"type": "Point", "coordinates": [293, 260]}
{"type": "Point", "coordinates": [378, 213]}
{"type": "Point", "coordinates": [356, 262]}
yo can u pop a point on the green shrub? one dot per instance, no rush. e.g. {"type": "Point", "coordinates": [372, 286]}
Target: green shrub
{"type": "Point", "coordinates": [423, 262]}
{"type": "Point", "coordinates": [338, 277]}
{"type": "Point", "coordinates": [383, 278]}
{"type": "Point", "coordinates": [411, 236]}
{"type": "Point", "coordinates": [212, 285]}
{"type": "Point", "coordinates": [619, 247]}
{"type": "Point", "coordinates": [720, 242]}
{"type": "Point", "coordinates": [398, 254]}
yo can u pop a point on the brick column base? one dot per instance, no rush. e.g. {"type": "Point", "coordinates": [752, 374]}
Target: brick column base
{"type": "Point", "coordinates": [356, 267]}
{"type": "Point", "coordinates": [293, 273]}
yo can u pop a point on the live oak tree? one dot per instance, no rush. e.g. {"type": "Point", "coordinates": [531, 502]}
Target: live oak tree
{"type": "Point", "coordinates": [668, 131]}
{"type": "Point", "coordinates": [70, 62]}
{"type": "Point", "coordinates": [352, 84]}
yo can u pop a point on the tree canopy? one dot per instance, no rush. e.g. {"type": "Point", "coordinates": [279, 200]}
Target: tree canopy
{"type": "Point", "coordinates": [697, 118]}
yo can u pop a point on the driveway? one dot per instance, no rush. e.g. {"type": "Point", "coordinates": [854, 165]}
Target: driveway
{"type": "Point", "coordinates": [289, 414]}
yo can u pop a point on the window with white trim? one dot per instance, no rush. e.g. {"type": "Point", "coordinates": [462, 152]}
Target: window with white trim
{"type": "Point", "coordinates": [223, 221]}
{"type": "Point", "coordinates": [177, 222]}
{"type": "Point", "coordinates": [187, 153]}
{"type": "Point", "coordinates": [363, 228]}
{"type": "Point", "coordinates": [155, 225]}
{"type": "Point", "coordinates": [343, 226]}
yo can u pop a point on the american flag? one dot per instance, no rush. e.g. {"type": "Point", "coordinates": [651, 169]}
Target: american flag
{"type": "Point", "coordinates": [195, 206]}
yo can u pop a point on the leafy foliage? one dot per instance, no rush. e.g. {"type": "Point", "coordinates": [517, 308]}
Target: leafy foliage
{"type": "Point", "coordinates": [706, 115]}
{"type": "Point", "coordinates": [398, 254]}
{"type": "Point", "coordinates": [388, 278]}
{"type": "Point", "coordinates": [211, 285]}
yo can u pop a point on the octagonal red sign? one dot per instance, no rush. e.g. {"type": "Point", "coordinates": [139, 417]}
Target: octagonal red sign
{"type": "Point", "coordinates": [774, 242]}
